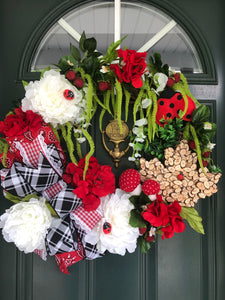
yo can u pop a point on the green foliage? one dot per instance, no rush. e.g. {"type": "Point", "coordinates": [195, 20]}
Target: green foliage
{"type": "Point", "coordinates": [144, 245]}
{"type": "Point", "coordinates": [136, 219]}
{"type": "Point", "coordinates": [167, 136]}
{"type": "Point", "coordinates": [193, 218]}
{"type": "Point", "coordinates": [111, 54]}
{"type": "Point", "coordinates": [155, 65]}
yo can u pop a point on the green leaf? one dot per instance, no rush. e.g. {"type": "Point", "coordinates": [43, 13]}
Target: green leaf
{"type": "Point", "coordinates": [65, 63]}
{"type": "Point", "coordinates": [43, 71]}
{"type": "Point", "coordinates": [136, 219]}
{"type": "Point", "coordinates": [144, 245]}
{"type": "Point", "coordinates": [75, 52]}
{"type": "Point", "coordinates": [193, 218]}
{"type": "Point", "coordinates": [200, 115]}
{"type": "Point", "coordinates": [90, 44]}
{"type": "Point", "coordinates": [17, 199]}
{"type": "Point", "coordinates": [81, 41]}
{"type": "Point", "coordinates": [25, 83]}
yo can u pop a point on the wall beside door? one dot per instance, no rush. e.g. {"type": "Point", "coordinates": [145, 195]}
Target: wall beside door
{"type": "Point", "coordinates": [18, 21]}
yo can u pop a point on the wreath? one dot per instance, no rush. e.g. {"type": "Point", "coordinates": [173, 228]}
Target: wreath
{"type": "Point", "coordinates": [67, 204]}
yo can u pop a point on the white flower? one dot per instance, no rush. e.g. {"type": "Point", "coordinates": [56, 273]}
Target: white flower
{"type": "Point", "coordinates": [81, 140]}
{"type": "Point", "coordinates": [46, 97]}
{"type": "Point", "coordinates": [130, 158]}
{"type": "Point", "coordinates": [160, 81]}
{"type": "Point", "coordinates": [104, 69]}
{"type": "Point", "coordinates": [116, 211]}
{"type": "Point", "coordinates": [146, 102]}
{"type": "Point", "coordinates": [210, 146]}
{"type": "Point", "coordinates": [141, 122]}
{"type": "Point", "coordinates": [207, 126]}
{"type": "Point", "coordinates": [138, 131]}
{"type": "Point", "coordinates": [26, 224]}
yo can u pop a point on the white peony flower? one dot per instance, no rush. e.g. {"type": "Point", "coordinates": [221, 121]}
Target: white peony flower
{"type": "Point", "coordinates": [116, 212]}
{"type": "Point", "coordinates": [26, 224]}
{"type": "Point", "coordinates": [160, 81]}
{"type": "Point", "coordinates": [46, 97]}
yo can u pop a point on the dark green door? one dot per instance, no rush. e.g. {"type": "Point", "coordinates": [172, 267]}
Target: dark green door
{"type": "Point", "coordinates": [187, 267]}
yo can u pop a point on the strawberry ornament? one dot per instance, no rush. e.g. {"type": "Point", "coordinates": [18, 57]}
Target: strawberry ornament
{"type": "Point", "coordinates": [129, 182]}
{"type": "Point", "coordinates": [150, 188]}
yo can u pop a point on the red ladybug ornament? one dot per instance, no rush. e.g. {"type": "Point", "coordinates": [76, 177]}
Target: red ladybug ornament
{"type": "Point", "coordinates": [168, 108]}
{"type": "Point", "coordinates": [68, 94]}
{"type": "Point", "coordinates": [107, 227]}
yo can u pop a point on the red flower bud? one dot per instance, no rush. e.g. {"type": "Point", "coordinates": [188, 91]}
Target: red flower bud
{"type": "Point", "coordinates": [205, 163]}
{"type": "Point", "coordinates": [177, 77]}
{"type": "Point", "coordinates": [206, 154]}
{"type": "Point", "coordinates": [103, 86]}
{"type": "Point", "coordinates": [79, 83]}
{"type": "Point", "coordinates": [150, 238]}
{"type": "Point", "coordinates": [170, 82]}
{"type": "Point", "coordinates": [142, 230]}
{"type": "Point", "coordinates": [192, 144]}
{"type": "Point", "coordinates": [70, 75]}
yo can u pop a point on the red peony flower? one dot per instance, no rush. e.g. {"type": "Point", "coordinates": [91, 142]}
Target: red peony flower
{"type": "Point", "coordinates": [133, 67]}
{"type": "Point", "coordinates": [16, 124]}
{"type": "Point", "coordinates": [156, 214]}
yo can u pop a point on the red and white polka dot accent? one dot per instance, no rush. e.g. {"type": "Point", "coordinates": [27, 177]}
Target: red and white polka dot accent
{"type": "Point", "coordinates": [129, 180]}
{"type": "Point", "coordinates": [150, 187]}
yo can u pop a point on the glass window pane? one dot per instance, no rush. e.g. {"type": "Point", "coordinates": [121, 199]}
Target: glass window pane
{"type": "Point", "coordinates": [139, 21]}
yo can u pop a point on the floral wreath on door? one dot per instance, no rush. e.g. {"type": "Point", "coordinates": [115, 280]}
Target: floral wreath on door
{"type": "Point", "coordinates": [68, 205]}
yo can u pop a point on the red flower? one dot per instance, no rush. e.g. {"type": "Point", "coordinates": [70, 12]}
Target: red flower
{"type": "Point", "coordinates": [99, 182]}
{"type": "Point", "coordinates": [133, 67]}
{"type": "Point", "coordinates": [16, 124]}
{"type": "Point", "coordinates": [156, 214]}
{"type": "Point", "coordinates": [167, 232]}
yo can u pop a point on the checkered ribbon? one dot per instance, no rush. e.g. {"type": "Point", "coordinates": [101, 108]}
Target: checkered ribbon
{"type": "Point", "coordinates": [43, 177]}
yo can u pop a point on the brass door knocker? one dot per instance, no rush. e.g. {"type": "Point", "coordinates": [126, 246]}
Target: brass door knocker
{"type": "Point", "coordinates": [116, 136]}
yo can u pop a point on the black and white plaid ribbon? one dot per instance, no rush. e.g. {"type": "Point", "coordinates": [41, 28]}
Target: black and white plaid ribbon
{"type": "Point", "coordinates": [22, 180]}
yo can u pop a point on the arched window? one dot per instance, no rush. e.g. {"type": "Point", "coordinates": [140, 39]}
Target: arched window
{"type": "Point", "coordinates": [147, 27]}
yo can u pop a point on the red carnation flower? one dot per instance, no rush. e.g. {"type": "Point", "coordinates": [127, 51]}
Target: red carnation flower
{"type": "Point", "coordinates": [167, 232]}
{"type": "Point", "coordinates": [133, 67]}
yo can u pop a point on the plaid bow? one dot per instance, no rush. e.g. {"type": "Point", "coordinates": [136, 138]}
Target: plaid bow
{"type": "Point", "coordinates": [43, 178]}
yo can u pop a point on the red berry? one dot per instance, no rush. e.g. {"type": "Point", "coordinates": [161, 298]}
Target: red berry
{"type": "Point", "coordinates": [71, 75]}
{"type": "Point", "coordinates": [192, 144]}
{"type": "Point", "coordinates": [205, 163]}
{"type": "Point", "coordinates": [142, 230]}
{"type": "Point", "coordinates": [206, 154]}
{"type": "Point", "coordinates": [170, 82]}
{"type": "Point", "coordinates": [150, 187]}
{"type": "Point", "coordinates": [150, 238]}
{"type": "Point", "coordinates": [79, 83]}
{"type": "Point", "coordinates": [177, 77]}
{"type": "Point", "coordinates": [180, 176]}
{"type": "Point", "coordinates": [103, 86]}
{"type": "Point", "coordinates": [129, 180]}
